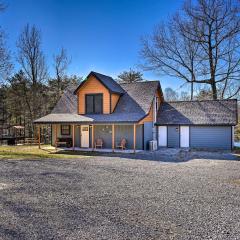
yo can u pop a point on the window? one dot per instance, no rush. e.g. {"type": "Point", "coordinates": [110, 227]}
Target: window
{"type": "Point", "coordinates": [84, 129]}
{"type": "Point", "coordinates": [157, 99]}
{"type": "Point", "coordinates": [4, 132]}
{"type": "Point", "coordinates": [94, 103]}
{"type": "Point", "coordinates": [65, 129]}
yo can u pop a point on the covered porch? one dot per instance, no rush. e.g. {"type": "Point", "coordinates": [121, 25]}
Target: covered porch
{"type": "Point", "coordinates": [100, 150]}
{"type": "Point", "coordinates": [83, 137]}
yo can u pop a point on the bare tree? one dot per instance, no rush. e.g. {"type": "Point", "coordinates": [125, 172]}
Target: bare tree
{"type": "Point", "coordinates": [30, 55]}
{"type": "Point", "coordinates": [184, 96]}
{"type": "Point", "coordinates": [5, 63]}
{"type": "Point", "coordinates": [130, 76]}
{"type": "Point", "coordinates": [170, 94]}
{"type": "Point", "coordinates": [32, 61]}
{"type": "Point", "coordinates": [199, 45]}
{"type": "Point", "coordinates": [61, 63]}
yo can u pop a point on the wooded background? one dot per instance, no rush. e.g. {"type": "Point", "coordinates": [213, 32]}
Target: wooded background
{"type": "Point", "coordinates": [199, 44]}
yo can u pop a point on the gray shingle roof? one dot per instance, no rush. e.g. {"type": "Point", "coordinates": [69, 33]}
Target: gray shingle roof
{"type": "Point", "coordinates": [208, 112]}
{"type": "Point", "coordinates": [68, 101]}
{"type": "Point", "coordinates": [107, 81]}
{"type": "Point", "coordinates": [133, 105]}
{"type": "Point", "coordinates": [63, 118]}
{"type": "Point", "coordinates": [142, 93]}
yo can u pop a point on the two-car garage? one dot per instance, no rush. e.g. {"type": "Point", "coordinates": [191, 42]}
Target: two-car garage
{"type": "Point", "coordinates": [175, 136]}
{"type": "Point", "coordinates": [197, 124]}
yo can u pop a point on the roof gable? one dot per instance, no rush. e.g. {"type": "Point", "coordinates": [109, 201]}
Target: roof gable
{"type": "Point", "coordinates": [107, 82]}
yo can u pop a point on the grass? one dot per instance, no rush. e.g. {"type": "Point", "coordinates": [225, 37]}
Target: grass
{"type": "Point", "coordinates": [33, 152]}
{"type": "Point", "coordinates": [237, 151]}
{"type": "Point", "coordinates": [236, 181]}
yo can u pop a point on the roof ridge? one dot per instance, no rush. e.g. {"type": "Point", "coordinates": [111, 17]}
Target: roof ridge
{"type": "Point", "coordinates": [105, 80]}
{"type": "Point", "coordinates": [146, 81]}
{"type": "Point", "coordinates": [205, 100]}
{"type": "Point", "coordinates": [101, 74]}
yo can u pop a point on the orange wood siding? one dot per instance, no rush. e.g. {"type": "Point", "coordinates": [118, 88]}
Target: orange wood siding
{"type": "Point", "coordinates": [92, 85]}
{"type": "Point", "coordinates": [114, 101]}
{"type": "Point", "coordinates": [148, 118]}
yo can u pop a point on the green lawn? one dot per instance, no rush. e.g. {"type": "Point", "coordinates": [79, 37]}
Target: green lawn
{"type": "Point", "coordinates": [33, 152]}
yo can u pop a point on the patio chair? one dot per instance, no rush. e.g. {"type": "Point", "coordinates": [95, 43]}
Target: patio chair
{"type": "Point", "coordinates": [122, 144]}
{"type": "Point", "coordinates": [99, 143]}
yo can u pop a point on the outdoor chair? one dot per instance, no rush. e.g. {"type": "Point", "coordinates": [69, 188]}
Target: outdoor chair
{"type": "Point", "coordinates": [99, 143]}
{"type": "Point", "coordinates": [122, 144]}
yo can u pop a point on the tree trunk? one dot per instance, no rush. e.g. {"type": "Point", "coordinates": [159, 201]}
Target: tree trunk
{"type": "Point", "coordinates": [191, 91]}
{"type": "Point", "coordinates": [214, 90]}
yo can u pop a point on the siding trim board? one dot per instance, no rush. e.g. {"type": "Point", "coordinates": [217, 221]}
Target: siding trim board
{"type": "Point", "coordinates": [167, 136]}
{"type": "Point", "coordinates": [110, 102]}
{"type": "Point", "coordinates": [179, 136]}
{"type": "Point", "coordinates": [143, 147]}
{"type": "Point", "coordinates": [189, 137]}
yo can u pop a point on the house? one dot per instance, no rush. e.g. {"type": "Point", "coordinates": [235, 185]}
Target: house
{"type": "Point", "coordinates": [101, 108]}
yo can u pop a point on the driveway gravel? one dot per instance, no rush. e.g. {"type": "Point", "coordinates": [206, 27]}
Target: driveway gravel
{"type": "Point", "coordinates": [142, 196]}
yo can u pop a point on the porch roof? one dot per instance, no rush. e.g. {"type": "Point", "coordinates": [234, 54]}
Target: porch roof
{"type": "Point", "coordinates": [62, 118]}
{"type": "Point", "coordinates": [89, 119]}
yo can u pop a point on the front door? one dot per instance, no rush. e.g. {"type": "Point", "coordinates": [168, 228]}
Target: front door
{"type": "Point", "coordinates": [85, 136]}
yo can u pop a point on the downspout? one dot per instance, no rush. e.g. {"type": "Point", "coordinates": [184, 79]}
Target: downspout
{"type": "Point", "coordinates": [154, 128]}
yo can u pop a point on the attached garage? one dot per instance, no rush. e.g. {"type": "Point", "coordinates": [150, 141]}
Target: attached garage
{"type": "Point", "coordinates": [197, 124]}
{"type": "Point", "coordinates": [218, 137]}
{"type": "Point", "coordinates": [214, 137]}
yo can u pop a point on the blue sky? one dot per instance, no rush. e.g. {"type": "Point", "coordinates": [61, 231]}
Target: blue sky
{"type": "Point", "coordinates": [99, 35]}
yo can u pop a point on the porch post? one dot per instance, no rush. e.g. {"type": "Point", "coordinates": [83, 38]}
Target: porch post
{"type": "Point", "coordinates": [56, 132]}
{"type": "Point", "coordinates": [39, 136]}
{"type": "Point", "coordinates": [73, 136]}
{"type": "Point", "coordinates": [113, 137]}
{"type": "Point", "coordinates": [134, 137]}
{"type": "Point", "coordinates": [93, 137]}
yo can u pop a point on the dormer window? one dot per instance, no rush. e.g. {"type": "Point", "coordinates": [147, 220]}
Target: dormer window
{"type": "Point", "coordinates": [94, 103]}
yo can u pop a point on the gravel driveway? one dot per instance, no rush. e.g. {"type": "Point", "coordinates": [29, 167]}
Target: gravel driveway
{"type": "Point", "coordinates": [118, 197]}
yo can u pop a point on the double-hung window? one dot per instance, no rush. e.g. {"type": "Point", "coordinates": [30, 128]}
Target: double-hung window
{"type": "Point", "coordinates": [94, 103]}
{"type": "Point", "coordinates": [65, 129]}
